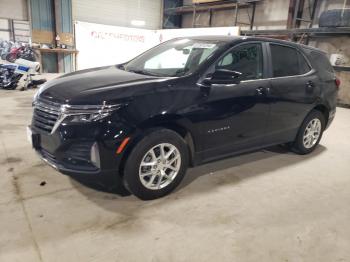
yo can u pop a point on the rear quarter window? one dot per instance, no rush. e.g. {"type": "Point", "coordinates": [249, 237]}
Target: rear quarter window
{"type": "Point", "coordinates": [287, 61]}
{"type": "Point", "coordinates": [322, 64]}
{"type": "Point", "coordinates": [321, 61]}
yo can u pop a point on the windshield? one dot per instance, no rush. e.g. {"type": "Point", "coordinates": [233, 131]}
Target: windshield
{"type": "Point", "coordinates": [173, 58]}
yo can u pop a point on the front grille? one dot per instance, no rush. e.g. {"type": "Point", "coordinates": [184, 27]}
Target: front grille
{"type": "Point", "coordinates": [45, 114]}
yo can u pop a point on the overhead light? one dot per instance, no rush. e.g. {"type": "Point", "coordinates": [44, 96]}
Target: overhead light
{"type": "Point", "coordinates": [138, 22]}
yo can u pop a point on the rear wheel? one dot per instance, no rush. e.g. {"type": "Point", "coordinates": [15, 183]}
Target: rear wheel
{"type": "Point", "coordinates": [156, 165]}
{"type": "Point", "coordinates": [310, 133]}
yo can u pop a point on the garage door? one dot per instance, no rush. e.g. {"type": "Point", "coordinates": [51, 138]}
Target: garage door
{"type": "Point", "coordinates": [119, 13]}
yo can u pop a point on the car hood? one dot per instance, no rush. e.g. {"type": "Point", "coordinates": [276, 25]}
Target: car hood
{"type": "Point", "coordinates": [96, 85]}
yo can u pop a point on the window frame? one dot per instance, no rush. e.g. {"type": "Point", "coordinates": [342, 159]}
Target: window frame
{"type": "Point", "coordinates": [264, 54]}
{"type": "Point", "coordinates": [270, 67]}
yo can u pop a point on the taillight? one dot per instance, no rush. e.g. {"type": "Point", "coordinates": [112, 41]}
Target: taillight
{"type": "Point", "coordinates": [337, 82]}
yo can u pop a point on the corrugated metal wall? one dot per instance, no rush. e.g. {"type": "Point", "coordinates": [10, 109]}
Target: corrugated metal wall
{"type": "Point", "coordinates": [66, 16]}
{"type": "Point", "coordinates": [42, 15]}
{"type": "Point", "coordinates": [21, 31]}
{"type": "Point", "coordinates": [66, 27]}
{"type": "Point", "coordinates": [42, 19]}
{"type": "Point", "coordinates": [119, 12]}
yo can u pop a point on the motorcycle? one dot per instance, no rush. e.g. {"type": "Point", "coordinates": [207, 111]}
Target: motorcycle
{"type": "Point", "coordinates": [24, 51]}
{"type": "Point", "coordinates": [8, 77]}
{"type": "Point", "coordinates": [5, 48]}
{"type": "Point", "coordinates": [11, 74]}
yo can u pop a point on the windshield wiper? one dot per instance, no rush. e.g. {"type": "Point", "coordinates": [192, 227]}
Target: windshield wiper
{"type": "Point", "coordinates": [142, 72]}
{"type": "Point", "coordinates": [121, 67]}
{"type": "Point", "coordinates": [181, 72]}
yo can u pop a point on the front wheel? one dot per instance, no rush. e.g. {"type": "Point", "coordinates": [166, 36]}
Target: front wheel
{"type": "Point", "coordinates": [11, 57]}
{"type": "Point", "coordinates": [156, 165]}
{"type": "Point", "coordinates": [310, 133]}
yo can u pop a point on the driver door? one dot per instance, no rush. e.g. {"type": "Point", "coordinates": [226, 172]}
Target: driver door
{"type": "Point", "coordinates": [235, 111]}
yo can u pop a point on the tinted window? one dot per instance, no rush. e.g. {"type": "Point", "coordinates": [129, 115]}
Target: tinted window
{"type": "Point", "coordinates": [287, 61]}
{"type": "Point", "coordinates": [303, 65]}
{"type": "Point", "coordinates": [246, 59]}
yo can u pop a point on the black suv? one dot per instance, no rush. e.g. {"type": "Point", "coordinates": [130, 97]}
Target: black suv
{"type": "Point", "coordinates": [184, 102]}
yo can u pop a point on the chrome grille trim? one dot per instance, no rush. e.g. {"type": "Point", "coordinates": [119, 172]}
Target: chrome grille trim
{"type": "Point", "coordinates": [46, 115]}
{"type": "Point", "coordinates": [49, 115]}
{"type": "Point", "coordinates": [48, 108]}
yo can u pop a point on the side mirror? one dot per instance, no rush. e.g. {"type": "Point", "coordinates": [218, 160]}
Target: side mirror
{"type": "Point", "coordinates": [225, 76]}
{"type": "Point", "coordinates": [220, 77]}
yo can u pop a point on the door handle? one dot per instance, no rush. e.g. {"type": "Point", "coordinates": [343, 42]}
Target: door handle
{"type": "Point", "coordinates": [262, 91]}
{"type": "Point", "coordinates": [310, 86]}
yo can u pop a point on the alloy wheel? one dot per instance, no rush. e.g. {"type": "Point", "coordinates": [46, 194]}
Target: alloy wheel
{"type": "Point", "coordinates": [312, 133]}
{"type": "Point", "coordinates": [159, 166]}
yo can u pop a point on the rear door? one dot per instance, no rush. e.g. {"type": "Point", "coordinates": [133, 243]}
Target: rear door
{"type": "Point", "coordinates": [295, 87]}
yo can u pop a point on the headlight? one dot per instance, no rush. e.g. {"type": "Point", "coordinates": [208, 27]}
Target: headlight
{"type": "Point", "coordinates": [82, 113]}
{"type": "Point", "coordinates": [87, 117]}
{"type": "Point", "coordinates": [87, 113]}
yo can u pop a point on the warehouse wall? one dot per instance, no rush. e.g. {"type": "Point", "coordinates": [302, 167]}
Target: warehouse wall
{"type": "Point", "coordinates": [119, 12]}
{"type": "Point", "coordinates": [14, 9]}
{"type": "Point", "coordinates": [338, 45]}
{"type": "Point", "coordinates": [329, 5]}
{"type": "Point", "coordinates": [4, 25]}
{"type": "Point", "coordinates": [43, 28]}
{"type": "Point", "coordinates": [11, 9]}
{"type": "Point", "coordinates": [270, 14]}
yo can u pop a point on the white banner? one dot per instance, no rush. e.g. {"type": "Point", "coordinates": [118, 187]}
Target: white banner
{"type": "Point", "coordinates": [100, 45]}
{"type": "Point", "coordinates": [167, 34]}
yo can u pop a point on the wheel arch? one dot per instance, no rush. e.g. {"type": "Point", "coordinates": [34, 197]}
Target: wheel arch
{"type": "Point", "coordinates": [324, 110]}
{"type": "Point", "coordinates": [175, 123]}
{"type": "Point", "coordinates": [172, 122]}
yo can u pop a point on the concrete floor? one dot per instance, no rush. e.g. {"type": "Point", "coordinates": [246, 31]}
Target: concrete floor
{"type": "Point", "coordinates": [270, 205]}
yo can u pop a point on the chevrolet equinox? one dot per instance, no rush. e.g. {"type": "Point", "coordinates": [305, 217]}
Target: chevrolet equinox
{"type": "Point", "coordinates": [182, 103]}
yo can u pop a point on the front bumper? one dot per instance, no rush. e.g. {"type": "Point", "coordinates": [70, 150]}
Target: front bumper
{"type": "Point", "coordinates": [68, 149]}
{"type": "Point", "coordinates": [64, 167]}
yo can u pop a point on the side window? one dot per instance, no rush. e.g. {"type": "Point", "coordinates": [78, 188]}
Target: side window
{"type": "Point", "coordinates": [303, 65]}
{"type": "Point", "coordinates": [287, 61]}
{"type": "Point", "coordinates": [246, 59]}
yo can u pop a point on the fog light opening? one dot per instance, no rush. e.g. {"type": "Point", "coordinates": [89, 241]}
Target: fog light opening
{"type": "Point", "coordinates": [95, 155]}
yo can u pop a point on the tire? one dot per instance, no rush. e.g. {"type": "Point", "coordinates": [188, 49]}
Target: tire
{"type": "Point", "coordinates": [11, 57]}
{"type": "Point", "coordinates": [311, 132]}
{"type": "Point", "coordinates": [12, 86]}
{"type": "Point", "coordinates": [148, 181]}
{"type": "Point", "coordinates": [39, 82]}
